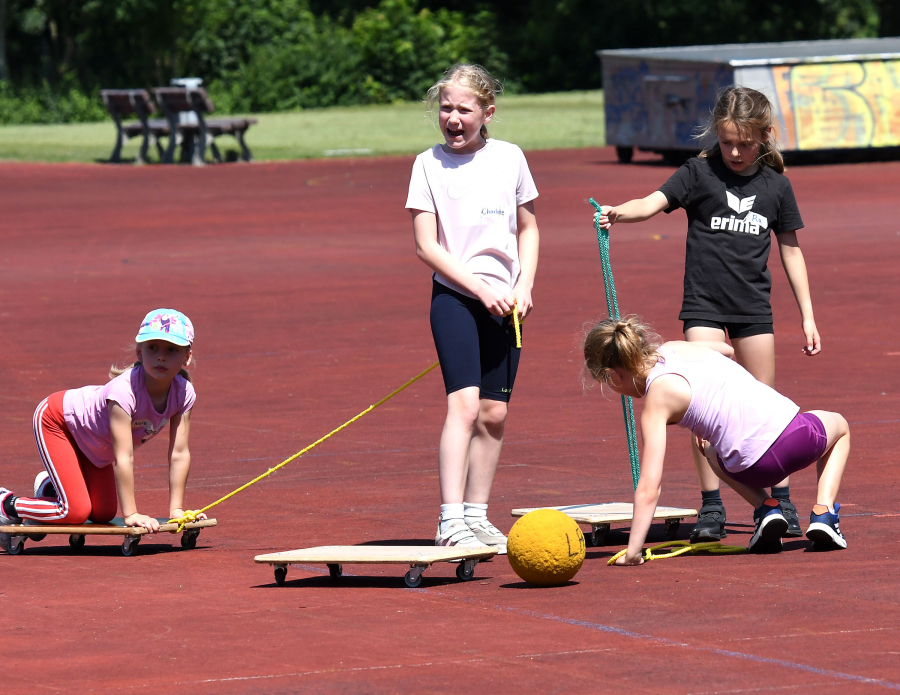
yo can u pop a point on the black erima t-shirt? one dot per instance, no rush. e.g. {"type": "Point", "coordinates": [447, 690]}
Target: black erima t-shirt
{"type": "Point", "coordinates": [729, 217]}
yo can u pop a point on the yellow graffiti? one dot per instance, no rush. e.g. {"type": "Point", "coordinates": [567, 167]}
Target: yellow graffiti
{"type": "Point", "coordinates": [835, 105]}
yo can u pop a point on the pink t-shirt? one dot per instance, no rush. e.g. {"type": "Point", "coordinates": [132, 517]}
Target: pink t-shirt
{"type": "Point", "coordinates": [86, 411]}
{"type": "Point", "coordinates": [740, 416]}
{"type": "Point", "coordinates": [475, 197]}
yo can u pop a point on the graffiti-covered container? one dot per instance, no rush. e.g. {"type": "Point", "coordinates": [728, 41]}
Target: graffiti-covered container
{"type": "Point", "coordinates": [827, 94]}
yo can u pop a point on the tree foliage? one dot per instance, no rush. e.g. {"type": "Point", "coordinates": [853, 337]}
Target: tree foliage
{"type": "Point", "coordinates": [260, 55]}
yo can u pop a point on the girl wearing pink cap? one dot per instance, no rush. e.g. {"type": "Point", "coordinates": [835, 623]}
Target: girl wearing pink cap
{"type": "Point", "coordinates": [86, 437]}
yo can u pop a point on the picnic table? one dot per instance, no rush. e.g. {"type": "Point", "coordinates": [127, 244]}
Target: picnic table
{"type": "Point", "coordinates": [122, 103]}
{"type": "Point", "coordinates": [196, 136]}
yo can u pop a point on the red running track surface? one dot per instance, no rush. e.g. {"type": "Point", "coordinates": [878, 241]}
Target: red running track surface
{"type": "Point", "coordinates": [309, 304]}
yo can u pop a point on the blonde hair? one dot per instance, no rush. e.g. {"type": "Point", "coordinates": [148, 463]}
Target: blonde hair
{"type": "Point", "coordinates": [750, 111]}
{"type": "Point", "coordinates": [627, 343]}
{"type": "Point", "coordinates": [473, 77]}
{"type": "Point", "coordinates": [115, 371]}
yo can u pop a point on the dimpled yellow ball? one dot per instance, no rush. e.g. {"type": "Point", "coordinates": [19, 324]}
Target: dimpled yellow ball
{"type": "Point", "coordinates": [545, 547]}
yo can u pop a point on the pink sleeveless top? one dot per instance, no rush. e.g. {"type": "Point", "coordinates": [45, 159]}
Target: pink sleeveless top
{"type": "Point", "coordinates": [740, 416]}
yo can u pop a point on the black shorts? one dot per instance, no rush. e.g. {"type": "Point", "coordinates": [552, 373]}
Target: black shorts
{"type": "Point", "coordinates": [734, 330]}
{"type": "Point", "coordinates": [475, 347]}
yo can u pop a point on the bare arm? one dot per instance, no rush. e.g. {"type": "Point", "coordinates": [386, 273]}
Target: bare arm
{"type": "Point", "coordinates": [432, 254]}
{"type": "Point", "coordinates": [646, 496]}
{"type": "Point", "coordinates": [120, 428]}
{"type": "Point", "coordinates": [179, 463]}
{"type": "Point", "coordinates": [529, 243]}
{"type": "Point", "coordinates": [795, 269]}
{"type": "Point", "coordinates": [636, 210]}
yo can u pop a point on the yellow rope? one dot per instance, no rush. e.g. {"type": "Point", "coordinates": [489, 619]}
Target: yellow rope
{"type": "Point", "coordinates": [517, 325]}
{"type": "Point", "coordinates": [683, 547]}
{"type": "Point", "coordinates": [192, 515]}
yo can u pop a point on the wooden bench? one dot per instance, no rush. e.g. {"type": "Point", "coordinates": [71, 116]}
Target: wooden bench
{"type": "Point", "coordinates": [196, 136]}
{"type": "Point", "coordinates": [126, 102]}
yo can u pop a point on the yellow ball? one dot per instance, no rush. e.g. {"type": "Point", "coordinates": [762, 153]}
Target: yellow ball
{"type": "Point", "coordinates": [545, 547]}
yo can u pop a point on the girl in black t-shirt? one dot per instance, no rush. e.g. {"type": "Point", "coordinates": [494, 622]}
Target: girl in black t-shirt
{"type": "Point", "coordinates": [734, 193]}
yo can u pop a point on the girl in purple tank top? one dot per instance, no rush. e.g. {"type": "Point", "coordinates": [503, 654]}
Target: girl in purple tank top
{"type": "Point", "coordinates": [751, 435]}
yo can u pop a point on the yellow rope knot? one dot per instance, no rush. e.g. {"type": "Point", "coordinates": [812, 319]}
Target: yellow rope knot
{"type": "Point", "coordinates": [683, 547]}
{"type": "Point", "coordinates": [187, 517]}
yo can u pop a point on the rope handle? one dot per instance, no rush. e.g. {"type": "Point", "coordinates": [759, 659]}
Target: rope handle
{"type": "Point", "coordinates": [683, 547]}
{"type": "Point", "coordinates": [517, 324]}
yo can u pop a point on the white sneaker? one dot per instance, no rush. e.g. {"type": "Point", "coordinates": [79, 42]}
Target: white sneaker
{"type": "Point", "coordinates": [488, 534]}
{"type": "Point", "coordinates": [458, 534]}
{"type": "Point", "coordinates": [43, 486]}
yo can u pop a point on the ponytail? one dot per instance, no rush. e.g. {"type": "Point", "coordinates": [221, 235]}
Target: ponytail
{"type": "Point", "coordinates": [627, 343]}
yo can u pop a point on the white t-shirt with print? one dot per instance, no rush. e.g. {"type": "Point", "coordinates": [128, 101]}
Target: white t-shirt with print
{"type": "Point", "coordinates": [474, 197]}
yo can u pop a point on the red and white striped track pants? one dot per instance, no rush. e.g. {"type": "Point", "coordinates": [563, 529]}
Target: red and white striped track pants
{"type": "Point", "coordinates": [84, 491]}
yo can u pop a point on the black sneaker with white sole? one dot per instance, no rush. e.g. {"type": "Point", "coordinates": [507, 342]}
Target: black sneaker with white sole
{"type": "Point", "coordinates": [770, 528]}
{"type": "Point", "coordinates": [710, 524]}
{"type": "Point", "coordinates": [789, 512]}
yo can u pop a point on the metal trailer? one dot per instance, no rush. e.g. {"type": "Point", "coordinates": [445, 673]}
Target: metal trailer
{"type": "Point", "coordinates": [828, 95]}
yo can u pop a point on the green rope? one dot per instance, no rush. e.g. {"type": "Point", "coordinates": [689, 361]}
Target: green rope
{"type": "Point", "coordinates": [612, 306]}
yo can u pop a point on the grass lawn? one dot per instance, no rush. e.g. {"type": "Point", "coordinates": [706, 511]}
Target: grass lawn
{"type": "Point", "coordinates": [534, 122]}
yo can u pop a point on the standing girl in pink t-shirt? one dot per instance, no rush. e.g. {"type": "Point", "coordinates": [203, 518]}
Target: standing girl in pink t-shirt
{"type": "Point", "coordinates": [751, 435]}
{"type": "Point", "coordinates": [471, 200]}
{"type": "Point", "coordinates": [86, 437]}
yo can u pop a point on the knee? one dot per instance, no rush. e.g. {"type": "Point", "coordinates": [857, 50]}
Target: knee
{"type": "Point", "coordinates": [463, 409]}
{"type": "Point", "coordinates": [104, 512]}
{"type": "Point", "coordinates": [493, 415]}
{"type": "Point", "coordinates": [78, 513]}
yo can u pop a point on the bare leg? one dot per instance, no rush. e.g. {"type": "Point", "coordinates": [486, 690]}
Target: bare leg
{"type": "Point", "coordinates": [830, 468]}
{"type": "Point", "coordinates": [709, 480]}
{"type": "Point", "coordinates": [463, 409]}
{"type": "Point", "coordinates": [754, 495]}
{"type": "Point", "coordinates": [484, 452]}
{"type": "Point", "coordinates": [756, 354]}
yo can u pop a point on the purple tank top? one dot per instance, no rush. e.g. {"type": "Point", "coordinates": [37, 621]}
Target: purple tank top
{"type": "Point", "coordinates": [740, 416]}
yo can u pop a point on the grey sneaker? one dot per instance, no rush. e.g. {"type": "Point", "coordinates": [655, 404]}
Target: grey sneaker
{"type": "Point", "coordinates": [789, 512]}
{"type": "Point", "coordinates": [458, 534]}
{"type": "Point", "coordinates": [488, 534]}
{"type": "Point", "coordinates": [710, 524]}
{"type": "Point", "coordinates": [5, 520]}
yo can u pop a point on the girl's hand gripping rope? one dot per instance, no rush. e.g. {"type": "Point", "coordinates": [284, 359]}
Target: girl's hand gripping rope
{"type": "Point", "coordinates": [607, 216]}
{"type": "Point", "coordinates": [187, 517]}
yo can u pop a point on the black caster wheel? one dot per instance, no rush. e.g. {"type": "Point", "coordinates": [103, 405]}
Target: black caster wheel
{"type": "Point", "coordinates": [76, 541]}
{"type": "Point", "coordinates": [189, 540]}
{"type": "Point", "coordinates": [16, 545]}
{"type": "Point", "coordinates": [411, 581]}
{"type": "Point", "coordinates": [335, 571]}
{"type": "Point", "coordinates": [38, 537]}
{"type": "Point", "coordinates": [672, 529]}
{"type": "Point", "coordinates": [129, 545]}
{"type": "Point", "coordinates": [624, 154]}
{"type": "Point", "coordinates": [280, 575]}
{"type": "Point", "coordinates": [464, 572]}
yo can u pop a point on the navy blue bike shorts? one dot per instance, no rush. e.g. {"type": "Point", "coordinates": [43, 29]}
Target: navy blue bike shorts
{"type": "Point", "coordinates": [475, 347]}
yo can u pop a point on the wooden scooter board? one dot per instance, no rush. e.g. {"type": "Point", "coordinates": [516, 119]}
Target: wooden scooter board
{"type": "Point", "coordinates": [600, 516]}
{"type": "Point", "coordinates": [76, 532]}
{"type": "Point", "coordinates": [419, 558]}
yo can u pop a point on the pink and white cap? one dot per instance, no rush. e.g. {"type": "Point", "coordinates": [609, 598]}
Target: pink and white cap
{"type": "Point", "coordinates": [166, 324]}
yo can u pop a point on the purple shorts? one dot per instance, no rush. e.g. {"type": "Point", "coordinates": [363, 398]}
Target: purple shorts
{"type": "Point", "coordinates": [800, 445]}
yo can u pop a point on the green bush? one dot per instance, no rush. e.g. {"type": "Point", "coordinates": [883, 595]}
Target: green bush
{"type": "Point", "coordinates": [48, 105]}
{"type": "Point", "coordinates": [393, 52]}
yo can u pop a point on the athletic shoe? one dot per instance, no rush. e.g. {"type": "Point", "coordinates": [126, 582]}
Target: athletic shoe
{"type": "Point", "coordinates": [770, 527]}
{"type": "Point", "coordinates": [789, 512]}
{"type": "Point", "coordinates": [824, 529]}
{"type": "Point", "coordinates": [458, 534]}
{"type": "Point", "coordinates": [488, 534]}
{"type": "Point", "coordinates": [4, 519]}
{"type": "Point", "coordinates": [43, 486]}
{"type": "Point", "coordinates": [710, 524]}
